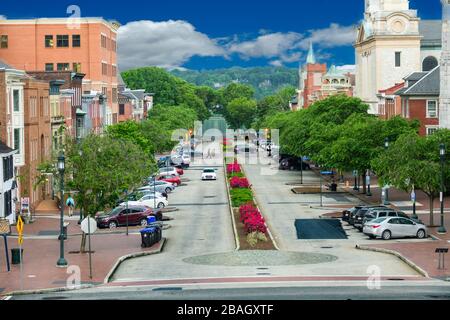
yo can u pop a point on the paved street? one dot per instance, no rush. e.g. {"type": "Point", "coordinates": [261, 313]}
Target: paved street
{"type": "Point", "coordinates": [282, 207]}
{"type": "Point", "coordinates": [201, 226]}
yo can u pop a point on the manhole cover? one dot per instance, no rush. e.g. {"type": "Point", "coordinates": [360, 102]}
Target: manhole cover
{"type": "Point", "coordinates": [168, 289]}
{"type": "Point", "coordinates": [54, 298]}
{"type": "Point", "coordinates": [396, 279]}
{"type": "Point", "coordinates": [326, 247]}
{"type": "Point", "coordinates": [209, 197]}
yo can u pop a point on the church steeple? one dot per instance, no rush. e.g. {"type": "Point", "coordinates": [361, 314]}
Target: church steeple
{"type": "Point", "coordinates": [311, 57]}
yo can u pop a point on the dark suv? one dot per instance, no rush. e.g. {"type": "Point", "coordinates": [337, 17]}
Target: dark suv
{"type": "Point", "coordinates": [346, 214]}
{"type": "Point", "coordinates": [292, 163]}
{"type": "Point", "coordinates": [360, 213]}
{"type": "Point", "coordinates": [136, 215]}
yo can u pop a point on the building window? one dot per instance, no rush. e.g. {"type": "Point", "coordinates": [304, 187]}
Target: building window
{"type": "Point", "coordinates": [4, 42]}
{"type": "Point", "coordinates": [121, 109]}
{"type": "Point", "coordinates": [62, 41]}
{"type": "Point", "coordinates": [429, 63]}
{"type": "Point", "coordinates": [398, 59]}
{"type": "Point", "coordinates": [104, 69]}
{"type": "Point", "coordinates": [432, 111]}
{"type": "Point", "coordinates": [76, 41]}
{"type": "Point", "coordinates": [114, 95]}
{"type": "Point", "coordinates": [114, 45]}
{"type": "Point", "coordinates": [16, 100]}
{"type": "Point", "coordinates": [431, 130]}
{"type": "Point", "coordinates": [104, 41]}
{"type": "Point", "coordinates": [49, 67]}
{"type": "Point", "coordinates": [49, 41]}
{"type": "Point", "coordinates": [76, 67]}
{"type": "Point", "coordinates": [17, 140]}
{"type": "Point", "coordinates": [63, 67]}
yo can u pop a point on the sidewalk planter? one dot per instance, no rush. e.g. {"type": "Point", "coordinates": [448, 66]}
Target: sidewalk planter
{"type": "Point", "coordinates": [251, 228]}
{"type": "Point", "coordinates": [15, 256]}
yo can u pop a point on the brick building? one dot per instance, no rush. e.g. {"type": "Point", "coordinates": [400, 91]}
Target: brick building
{"type": "Point", "coordinates": [84, 45]}
{"type": "Point", "coordinates": [37, 138]}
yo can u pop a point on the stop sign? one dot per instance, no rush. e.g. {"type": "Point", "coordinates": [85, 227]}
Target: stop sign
{"type": "Point", "coordinates": [89, 225]}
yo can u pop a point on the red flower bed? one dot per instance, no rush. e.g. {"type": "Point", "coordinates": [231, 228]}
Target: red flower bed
{"type": "Point", "coordinates": [237, 182]}
{"type": "Point", "coordinates": [252, 219]}
{"type": "Point", "coordinates": [233, 168]}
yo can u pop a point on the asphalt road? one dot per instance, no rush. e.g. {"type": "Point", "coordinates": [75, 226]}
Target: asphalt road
{"type": "Point", "coordinates": [291, 292]}
{"type": "Point", "coordinates": [201, 226]}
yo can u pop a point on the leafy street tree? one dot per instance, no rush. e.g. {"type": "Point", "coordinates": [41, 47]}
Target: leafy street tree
{"type": "Point", "coordinates": [240, 113]}
{"type": "Point", "coordinates": [103, 167]}
{"type": "Point", "coordinates": [236, 91]}
{"type": "Point", "coordinates": [173, 117]}
{"type": "Point", "coordinates": [413, 162]}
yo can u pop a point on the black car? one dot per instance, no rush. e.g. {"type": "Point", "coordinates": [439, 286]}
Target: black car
{"type": "Point", "coordinates": [358, 219]}
{"type": "Point", "coordinates": [362, 210]}
{"type": "Point", "coordinates": [293, 163]}
{"type": "Point", "coordinates": [346, 214]}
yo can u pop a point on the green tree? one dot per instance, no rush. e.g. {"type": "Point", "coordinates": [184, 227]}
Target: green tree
{"type": "Point", "coordinates": [241, 112]}
{"type": "Point", "coordinates": [236, 91]}
{"type": "Point", "coordinates": [103, 167]}
{"type": "Point", "coordinates": [413, 162]}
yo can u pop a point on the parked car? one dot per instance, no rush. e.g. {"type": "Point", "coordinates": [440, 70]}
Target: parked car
{"type": "Point", "coordinates": [358, 221]}
{"type": "Point", "coordinates": [169, 170]}
{"type": "Point", "coordinates": [175, 180]}
{"type": "Point", "coordinates": [136, 215]}
{"type": "Point", "coordinates": [388, 228]}
{"type": "Point", "coordinates": [139, 194]}
{"type": "Point", "coordinates": [159, 186]}
{"type": "Point", "coordinates": [186, 159]}
{"type": "Point", "coordinates": [382, 213]}
{"type": "Point", "coordinates": [346, 214]}
{"type": "Point", "coordinates": [361, 210]}
{"type": "Point", "coordinates": [293, 163]}
{"type": "Point", "coordinates": [149, 200]}
{"type": "Point", "coordinates": [209, 174]}
{"type": "Point", "coordinates": [163, 162]}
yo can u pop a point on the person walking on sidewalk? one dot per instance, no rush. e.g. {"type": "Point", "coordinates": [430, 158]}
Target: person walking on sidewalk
{"type": "Point", "coordinates": [71, 204]}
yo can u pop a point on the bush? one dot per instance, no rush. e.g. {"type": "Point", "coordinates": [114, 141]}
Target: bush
{"type": "Point", "coordinates": [254, 237]}
{"type": "Point", "coordinates": [237, 182]}
{"type": "Point", "coordinates": [240, 196]}
{"type": "Point", "coordinates": [236, 174]}
{"type": "Point", "coordinates": [233, 168]}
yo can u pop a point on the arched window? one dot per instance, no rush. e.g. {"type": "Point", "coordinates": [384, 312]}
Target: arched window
{"type": "Point", "coordinates": [335, 81]}
{"type": "Point", "coordinates": [429, 63]}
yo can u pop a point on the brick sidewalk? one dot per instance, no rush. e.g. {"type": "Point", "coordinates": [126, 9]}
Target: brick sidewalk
{"type": "Point", "coordinates": [41, 255]}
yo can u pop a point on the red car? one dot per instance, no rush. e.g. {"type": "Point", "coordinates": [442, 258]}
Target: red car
{"type": "Point", "coordinates": [171, 179]}
{"type": "Point", "coordinates": [180, 171]}
{"type": "Point", "coordinates": [137, 215]}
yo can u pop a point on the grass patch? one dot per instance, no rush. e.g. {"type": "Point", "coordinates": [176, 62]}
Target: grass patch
{"type": "Point", "coordinates": [241, 196]}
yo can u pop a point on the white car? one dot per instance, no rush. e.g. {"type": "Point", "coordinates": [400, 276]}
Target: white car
{"type": "Point", "coordinates": [209, 174]}
{"type": "Point", "coordinates": [186, 159]}
{"type": "Point", "coordinates": [149, 200]}
{"type": "Point", "coordinates": [168, 171]}
{"type": "Point", "coordinates": [395, 227]}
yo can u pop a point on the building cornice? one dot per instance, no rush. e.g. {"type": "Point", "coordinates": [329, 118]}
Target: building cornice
{"type": "Point", "coordinates": [46, 21]}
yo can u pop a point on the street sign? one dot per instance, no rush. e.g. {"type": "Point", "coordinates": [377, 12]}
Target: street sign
{"type": "Point", "coordinates": [413, 196]}
{"type": "Point", "coordinates": [89, 225]}
{"type": "Point", "coordinates": [327, 173]}
{"type": "Point", "coordinates": [20, 230]}
{"type": "Point", "coordinates": [5, 228]}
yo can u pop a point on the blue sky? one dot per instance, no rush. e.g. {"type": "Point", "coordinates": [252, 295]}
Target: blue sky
{"type": "Point", "coordinates": [207, 34]}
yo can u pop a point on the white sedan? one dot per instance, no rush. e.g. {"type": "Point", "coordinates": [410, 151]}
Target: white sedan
{"type": "Point", "coordinates": [149, 200]}
{"type": "Point", "coordinates": [209, 174]}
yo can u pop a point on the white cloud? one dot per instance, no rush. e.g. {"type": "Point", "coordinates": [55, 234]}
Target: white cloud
{"type": "Point", "coordinates": [274, 45]}
{"type": "Point", "coordinates": [333, 36]}
{"type": "Point", "coordinates": [347, 68]}
{"type": "Point", "coordinates": [2, 17]}
{"type": "Point", "coordinates": [167, 44]}
{"type": "Point", "coordinates": [276, 63]}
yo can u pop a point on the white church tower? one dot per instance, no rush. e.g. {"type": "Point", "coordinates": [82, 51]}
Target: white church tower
{"type": "Point", "coordinates": [444, 103]}
{"type": "Point", "coordinates": [387, 48]}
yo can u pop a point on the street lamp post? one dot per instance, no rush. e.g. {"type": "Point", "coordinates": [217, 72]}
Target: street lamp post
{"type": "Point", "coordinates": [301, 170]}
{"type": "Point", "coordinates": [356, 175]}
{"type": "Point", "coordinates": [413, 198]}
{"type": "Point", "coordinates": [369, 194]}
{"type": "Point", "coordinates": [442, 158]}
{"type": "Point", "coordinates": [61, 168]}
{"type": "Point", "coordinates": [386, 187]}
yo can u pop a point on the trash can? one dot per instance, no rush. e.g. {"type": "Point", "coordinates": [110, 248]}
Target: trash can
{"type": "Point", "coordinates": [151, 219]}
{"type": "Point", "coordinates": [334, 187]}
{"type": "Point", "coordinates": [15, 256]}
{"type": "Point", "coordinates": [148, 236]}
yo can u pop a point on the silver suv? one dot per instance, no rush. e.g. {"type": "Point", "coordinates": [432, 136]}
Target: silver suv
{"type": "Point", "coordinates": [383, 213]}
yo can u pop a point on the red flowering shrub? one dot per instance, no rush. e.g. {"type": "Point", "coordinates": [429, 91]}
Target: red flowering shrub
{"type": "Point", "coordinates": [233, 168]}
{"type": "Point", "coordinates": [252, 219]}
{"type": "Point", "coordinates": [237, 182]}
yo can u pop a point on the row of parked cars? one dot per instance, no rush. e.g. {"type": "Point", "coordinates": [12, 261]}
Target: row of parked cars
{"type": "Point", "coordinates": [385, 223]}
{"type": "Point", "coordinates": [148, 200]}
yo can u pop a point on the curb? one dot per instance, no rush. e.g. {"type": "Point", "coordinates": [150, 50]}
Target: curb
{"type": "Point", "coordinates": [230, 207]}
{"type": "Point", "coordinates": [132, 256]}
{"type": "Point", "coordinates": [51, 290]}
{"type": "Point", "coordinates": [398, 255]}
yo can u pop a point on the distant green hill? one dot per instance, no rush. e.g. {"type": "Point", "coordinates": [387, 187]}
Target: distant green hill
{"type": "Point", "coordinates": [265, 80]}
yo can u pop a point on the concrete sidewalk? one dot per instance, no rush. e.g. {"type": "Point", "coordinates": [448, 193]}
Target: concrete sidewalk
{"type": "Point", "coordinates": [41, 254]}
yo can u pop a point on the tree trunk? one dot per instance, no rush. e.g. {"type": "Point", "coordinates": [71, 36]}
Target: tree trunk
{"type": "Point", "coordinates": [431, 198]}
{"type": "Point", "coordinates": [364, 183]}
{"type": "Point", "coordinates": [83, 243]}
